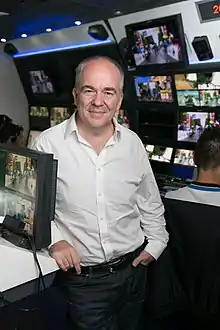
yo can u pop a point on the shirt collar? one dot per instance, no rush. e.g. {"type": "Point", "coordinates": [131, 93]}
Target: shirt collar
{"type": "Point", "coordinates": [72, 127]}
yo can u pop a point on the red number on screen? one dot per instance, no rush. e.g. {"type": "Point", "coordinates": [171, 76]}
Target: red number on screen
{"type": "Point", "coordinates": [216, 9]}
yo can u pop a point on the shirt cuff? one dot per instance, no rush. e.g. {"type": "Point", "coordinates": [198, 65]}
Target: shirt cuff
{"type": "Point", "coordinates": [155, 248]}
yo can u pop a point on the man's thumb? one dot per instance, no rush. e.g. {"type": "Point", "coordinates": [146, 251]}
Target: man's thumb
{"type": "Point", "coordinates": [136, 261]}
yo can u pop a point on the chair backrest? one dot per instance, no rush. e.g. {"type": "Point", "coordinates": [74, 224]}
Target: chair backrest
{"type": "Point", "coordinates": [195, 247]}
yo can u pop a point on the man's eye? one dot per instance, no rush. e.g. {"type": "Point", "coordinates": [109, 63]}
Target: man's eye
{"type": "Point", "coordinates": [109, 93]}
{"type": "Point", "coordinates": [88, 91]}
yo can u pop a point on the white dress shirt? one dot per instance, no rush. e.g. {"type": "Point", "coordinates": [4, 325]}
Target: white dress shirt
{"type": "Point", "coordinates": [106, 203]}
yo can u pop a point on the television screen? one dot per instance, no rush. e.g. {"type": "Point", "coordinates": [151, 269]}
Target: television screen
{"type": "Point", "coordinates": [32, 137]}
{"type": "Point", "coordinates": [40, 82]}
{"type": "Point", "coordinates": [39, 112]}
{"type": "Point", "coordinates": [198, 89]}
{"type": "Point", "coordinates": [58, 115]}
{"type": "Point", "coordinates": [158, 153]}
{"type": "Point", "coordinates": [158, 41]}
{"type": "Point", "coordinates": [154, 89]}
{"type": "Point", "coordinates": [27, 184]}
{"type": "Point", "coordinates": [184, 157]}
{"type": "Point", "coordinates": [192, 124]}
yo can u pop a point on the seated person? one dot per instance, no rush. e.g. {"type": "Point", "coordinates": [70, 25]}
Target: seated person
{"type": "Point", "coordinates": [206, 188]}
{"type": "Point", "coordinates": [10, 133]}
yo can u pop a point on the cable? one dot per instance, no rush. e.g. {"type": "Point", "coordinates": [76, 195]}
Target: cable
{"type": "Point", "coordinates": [41, 277]}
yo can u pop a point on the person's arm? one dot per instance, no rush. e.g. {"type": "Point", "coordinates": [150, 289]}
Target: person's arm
{"type": "Point", "coordinates": [152, 211]}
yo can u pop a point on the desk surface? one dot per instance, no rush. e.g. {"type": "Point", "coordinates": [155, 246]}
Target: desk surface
{"type": "Point", "coordinates": [18, 265]}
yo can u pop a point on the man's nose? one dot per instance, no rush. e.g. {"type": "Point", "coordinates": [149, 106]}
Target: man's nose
{"type": "Point", "coordinates": [98, 99]}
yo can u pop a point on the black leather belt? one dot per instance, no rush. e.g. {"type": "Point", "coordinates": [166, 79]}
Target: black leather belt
{"type": "Point", "coordinates": [113, 265]}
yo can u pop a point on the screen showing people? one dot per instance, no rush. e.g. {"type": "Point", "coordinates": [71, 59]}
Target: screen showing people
{"type": "Point", "coordinates": [198, 89]}
{"type": "Point", "coordinates": [39, 112]}
{"type": "Point", "coordinates": [158, 153]}
{"type": "Point", "coordinates": [40, 82]}
{"type": "Point", "coordinates": [192, 124]}
{"type": "Point", "coordinates": [19, 189]}
{"type": "Point", "coordinates": [184, 157]}
{"type": "Point", "coordinates": [58, 115]}
{"type": "Point", "coordinates": [33, 135]}
{"type": "Point", "coordinates": [157, 45]}
{"type": "Point", "coordinates": [154, 89]}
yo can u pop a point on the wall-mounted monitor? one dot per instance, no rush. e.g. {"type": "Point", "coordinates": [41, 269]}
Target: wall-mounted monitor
{"type": "Point", "coordinates": [192, 124]}
{"type": "Point", "coordinates": [154, 89]}
{"type": "Point", "coordinates": [33, 135]}
{"type": "Point", "coordinates": [39, 118]}
{"type": "Point", "coordinates": [58, 115]}
{"type": "Point", "coordinates": [198, 89]}
{"type": "Point", "coordinates": [159, 153]}
{"type": "Point", "coordinates": [27, 180]}
{"type": "Point", "coordinates": [40, 82]}
{"type": "Point", "coordinates": [184, 157]}
{"type": "Point", "coordinates": [158, 42]}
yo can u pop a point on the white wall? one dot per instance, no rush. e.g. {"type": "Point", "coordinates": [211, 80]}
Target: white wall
{"type": "Point", "coordinates": [191, 23]}
{"type": "Point", "coordinates": [13, 101]}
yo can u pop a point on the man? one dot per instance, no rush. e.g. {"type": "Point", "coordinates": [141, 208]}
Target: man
{"type": "Point", "coordinates": [107, 203]}
{"type": "Point", "coordinates": [206, 188]}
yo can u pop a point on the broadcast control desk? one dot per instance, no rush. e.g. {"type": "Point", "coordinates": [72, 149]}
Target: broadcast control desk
{"type": "Point", "coordinates": [18, 268]}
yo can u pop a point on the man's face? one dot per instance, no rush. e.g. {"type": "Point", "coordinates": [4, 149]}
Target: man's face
{"type": "Point", "coordinates": [99, 95]}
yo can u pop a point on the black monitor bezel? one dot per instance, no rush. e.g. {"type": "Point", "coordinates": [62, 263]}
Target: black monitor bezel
{"type": "Point", "coordinates": [166, 67]}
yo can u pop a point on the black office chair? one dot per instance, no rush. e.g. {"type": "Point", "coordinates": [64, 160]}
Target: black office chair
{"type": "Point", "coordinates": [195, 249]}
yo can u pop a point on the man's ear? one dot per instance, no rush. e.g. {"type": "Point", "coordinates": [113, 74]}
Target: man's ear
{"type": "Point", "coordinates": [75, 94]}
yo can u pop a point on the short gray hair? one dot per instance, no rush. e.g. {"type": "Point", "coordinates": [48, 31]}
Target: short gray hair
{"type": "Point", "coordinates": [79, 69]}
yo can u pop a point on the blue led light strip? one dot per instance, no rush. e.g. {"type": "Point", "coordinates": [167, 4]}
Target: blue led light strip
{"type": "Point", "coordinates": [58, 49]}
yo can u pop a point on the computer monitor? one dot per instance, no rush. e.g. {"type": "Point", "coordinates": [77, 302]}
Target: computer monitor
{"type": "Point", "coordinates": [40, 82]}
{"type": "Point", "coordinates": [33, 135]}
{"type": "Point", "coordinates": [159, 153]}
{"type": "Point", "coordinates": [192, 124]}
{"type": "Point", "coordinates": [39, 118]}
{"type": "Point", "coordinates": [158, 43]}
{"type": "Point", "coordinates": [200, 89]}
{"type": "Point", "coordinates": [184, 157]}
{"type": "Point", "coordinates": [27, 183]}
{"type": "Point", "coordinates": [58, 115]}
{"type": "Point", "coordinates": [154, 89]}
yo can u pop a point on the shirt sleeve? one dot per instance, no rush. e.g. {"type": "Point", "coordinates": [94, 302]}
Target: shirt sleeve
{"type": "Point", "coordinates": [152, 211]}
{"type": "Point", "coordinates": [56, 234]}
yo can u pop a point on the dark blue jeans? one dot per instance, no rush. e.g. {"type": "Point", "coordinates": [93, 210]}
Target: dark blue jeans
{"type": "Point", "coordinates": [105, 300]}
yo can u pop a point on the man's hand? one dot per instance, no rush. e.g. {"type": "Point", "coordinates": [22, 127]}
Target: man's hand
{"type": "Point", "coordinates": [144, 258]}
{"type": "Point", "coordinates": [65, 255]}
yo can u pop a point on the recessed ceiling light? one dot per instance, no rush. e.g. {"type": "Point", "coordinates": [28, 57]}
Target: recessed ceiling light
{"type": "Point", "coordinates": [78, 22]}
{"type": "Point", "coordinates": [118, 12]}
{"type": "Point", "coordinates": [24, 35]}
{"type": "Point", "coordinates": [3, 40]}
{"type": "Point", "coordinates": [3, 14]}
{"type": "Point", "coordinates": [48, 30]}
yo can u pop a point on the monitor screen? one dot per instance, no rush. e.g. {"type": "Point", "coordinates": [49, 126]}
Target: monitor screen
{"type": "Point", "coordinates": [192, 124]}
{"type": "Point", "coordinates": [58, 115]}
{"type": "Point", "coordinates": [154, 89]}
{"type": "Point", "coordinates": [40, 82]}
{"type": "Point", "coordinates": [198, 89]}
{"type": "Point", "coordinates": [32, 137]}
{"type": "Point", "coordinates": [158, 153]}
{"type": "Point", "coordinates": [158, 41]}
{"type": "Point", "coordinates": [184, 157]}
{"type": "Point", "coordinates": [39, 111]}
{"type": "Point", "coordinates": [19, 189]}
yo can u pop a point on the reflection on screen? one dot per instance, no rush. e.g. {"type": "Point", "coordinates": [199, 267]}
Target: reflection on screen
{"type": "Point", "coordinates": [157, 45]}
{"type": "Point", "coordinates": [58, 115]}
{"type": "Point", "coordinates": [154, 88]}
{"type": "Point", "coordinates": [198, 89]}
{"type": "Point", "coordinates": [19, 189]}
{"type": "Point", "coordinates": [40, 82]}
{"type": "Point", "coordinates": [184, 157]}
{"type": "Point", "coordinates": [158, 153]}
{"type": "Point", "coordinates": [39, 112]}
{"type": "Point", "coordinates": [32, 137]}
